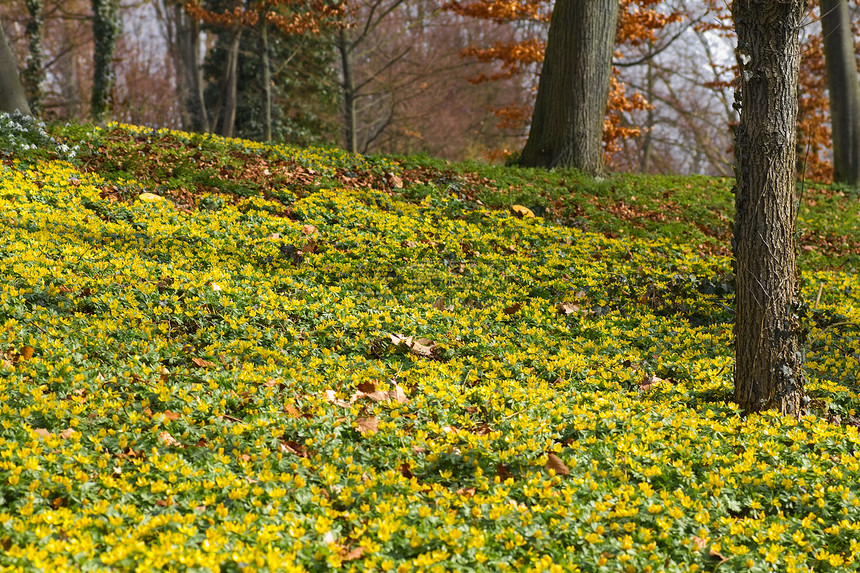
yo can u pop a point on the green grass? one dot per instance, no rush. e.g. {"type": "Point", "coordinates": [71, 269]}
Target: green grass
{"type": "Point", "coordinates": [299, 360]}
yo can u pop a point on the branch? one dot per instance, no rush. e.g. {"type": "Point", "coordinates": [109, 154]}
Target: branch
{"type": "Point", "coordinates": [668, 43]}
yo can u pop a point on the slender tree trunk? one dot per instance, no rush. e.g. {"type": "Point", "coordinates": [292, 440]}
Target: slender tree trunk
{"type": "Point", "coordinates": [228, 101]}
{"type": "Point", "coordinates": [12, 94]}
{"type": "Point", "coordinates": [650, 119]}
{"type": "Point", "coordinates": [106, 29]}
{"type": "Point", "coordinates": [768, 355]}
{"type": "Point", "coordinates": [267, 79]}
{"type": "Point", "coordinates": [185, 51]}
{"type": "Point", "coordinates": [34, 75]}
{"type": "Point", "coordinates": [350, 119]}
{"type": "Point", "coordinates": [844, 88]}
{"type": "Point", "coordinates": [567, 125]}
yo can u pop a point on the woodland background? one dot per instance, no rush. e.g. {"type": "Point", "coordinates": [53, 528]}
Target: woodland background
{"type": "Point", "coordinates": [453, 79]}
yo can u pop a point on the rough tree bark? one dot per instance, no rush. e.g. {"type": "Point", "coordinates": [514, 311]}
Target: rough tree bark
{"type": "Point", "coordinates": [12, 94]}
{"type": "Point", "coordinates": [768, 353]}
{"type": "Point", "coordinates": [567, 124]}
{"type": "Point", "coordinates": [844, 88]}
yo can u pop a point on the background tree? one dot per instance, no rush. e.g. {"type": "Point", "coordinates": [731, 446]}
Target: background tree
{"type": "Point", "coordinates": [232, 19]}
{"type": "Point", "coordinates": [182, 34]}
{"type": "Point", "coordinates": [567, 125]}
{"type": "Point", "coordinates": [106, 30]}
{"type": "Point", "coordinates": [33, 75]}
{"type": "Point", "coordinates": [639, 21]}
{"type": "Point", "coordinates": [12, 94]}
{"type": "Point", "coordinates": [683, 73]}
{"type": "Point", "coordinates": [844, 90]}
{"type": "Point", "coordinates": [768, 356]}
{"type": "Point", "coordinates": [350, 40]}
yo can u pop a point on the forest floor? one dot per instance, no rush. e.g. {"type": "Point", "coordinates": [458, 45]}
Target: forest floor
{"type": "Point", "coordinates": [227, 356]}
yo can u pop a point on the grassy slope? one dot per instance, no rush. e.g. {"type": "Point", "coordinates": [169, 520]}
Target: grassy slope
{"type": "Point", "coordinates": [304, 359]}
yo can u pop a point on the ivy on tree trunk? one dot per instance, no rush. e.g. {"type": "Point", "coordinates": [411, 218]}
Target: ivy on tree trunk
{"type": "Point", "coordinates": [33, 74]}
{"type": "Point", "coordinates": [106, 29]}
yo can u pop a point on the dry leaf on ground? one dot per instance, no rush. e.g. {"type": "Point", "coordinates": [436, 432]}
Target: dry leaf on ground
{"type": "Point", "coordinates": [554, 462]}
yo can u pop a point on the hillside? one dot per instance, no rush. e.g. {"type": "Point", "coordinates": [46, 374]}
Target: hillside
{"type": "Point", "coordinates": [225, 356]}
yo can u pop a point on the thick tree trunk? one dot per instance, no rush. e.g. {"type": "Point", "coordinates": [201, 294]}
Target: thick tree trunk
{"type": "Point", "coordinates": [266, 79]}
{"type": "Point", "coordinates": [350, 119]}
{"type": "Point", "coordinates": [844, 88]}
{"type": "Point", "coordinates": [768, 355]}
{"type": "Point", "coordinates": [12, 94]}
{"type": "Point", "coordinates": [567, 125]}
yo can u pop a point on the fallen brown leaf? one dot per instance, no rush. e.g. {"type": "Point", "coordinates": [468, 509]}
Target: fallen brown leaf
{"type": "Point", "coordinates": [394, 181]}
{"type": "Point", "coordinates": [398, 395]}
{"type": "Point", "coordinates": [167, 439]}
{"type": "Point", "coordinates": [649, 382]}
{"type": "Point", "coordinates": [554, 462]}
{"type": "Point", "coordinates": [353, 554]}
{"type": "Point", "coordinates": [367, 425]}
{"type": "Point", "coordinates": [567, 308]}
{"type": "Point", "coordinates": [513, 308]}
{"type": "Point", "coordinates": [503, 472]}
{"type": "Point", "coordinates": [331, 397]}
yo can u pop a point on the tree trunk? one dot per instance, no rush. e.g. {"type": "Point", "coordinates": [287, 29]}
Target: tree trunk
{"type": "Point", "coordinates": [768, 354]}
{"type": "Point", "coordinates": [12, 94]}
{"type": "Point", "coordinates": [34, 75]}
{"type": "Point", "coordinates": [66, 70]}
{"type": "Point", "coordinates": [567, 125]}
{"type": "Point", "coordinates": [650, 117]}
{"type": "Point", "coordinates": [106, 29]}
{"type": "Point", "coordinates": [266, 79]}
{"type": "Point", "coordinates": [227, 101]}
{"type": "Point", "coordinates": [844, 88]}
{"type": "Point", "coordinates": [350, 119]}
{"type": "Point", "coordinates": [185, 51]}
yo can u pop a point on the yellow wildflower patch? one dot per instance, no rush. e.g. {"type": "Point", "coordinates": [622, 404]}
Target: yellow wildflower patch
{"type": "Point", "coordinates": [372, 383]}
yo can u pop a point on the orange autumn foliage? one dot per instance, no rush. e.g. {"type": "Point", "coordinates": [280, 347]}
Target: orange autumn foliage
{"type": "Point", "coordinates": [639, 22]}
{"type": "Point", "coordinates": [814, 139]}
{"type": "Point", "coordinates": [291, 17]}
{"type": "Point", "coordinates": [813, 114]}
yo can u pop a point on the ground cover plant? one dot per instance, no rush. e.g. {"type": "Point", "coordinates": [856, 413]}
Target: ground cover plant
{"type": "Point", "coordinates": [218, 355]}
